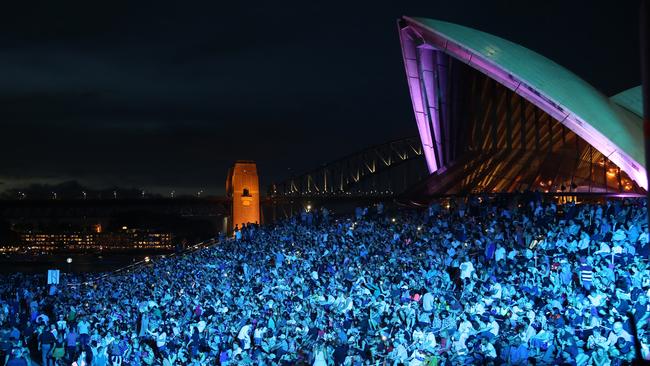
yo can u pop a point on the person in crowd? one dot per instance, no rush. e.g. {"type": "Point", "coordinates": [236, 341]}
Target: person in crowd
{"type": "Point", "coordinates": [18, 357]}
{"type": "Point", "coordinates": [46, 341]}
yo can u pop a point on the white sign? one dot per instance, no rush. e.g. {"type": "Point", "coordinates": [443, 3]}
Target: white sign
{"type": "Point", "coordinates": [52, 276]}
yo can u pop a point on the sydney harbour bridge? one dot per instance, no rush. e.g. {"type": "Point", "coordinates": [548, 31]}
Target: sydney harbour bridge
{"type": "Point", "coordinates": [380, 172]}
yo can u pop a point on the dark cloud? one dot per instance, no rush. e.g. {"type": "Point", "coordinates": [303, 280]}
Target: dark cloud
{"type": "Point", "coordinates": [166, 95]}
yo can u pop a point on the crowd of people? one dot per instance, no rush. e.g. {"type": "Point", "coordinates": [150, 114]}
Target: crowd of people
{"type": "Point", "coordinates": [468, 281]}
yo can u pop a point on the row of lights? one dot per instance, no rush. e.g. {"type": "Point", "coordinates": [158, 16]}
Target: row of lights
{"type": "Point", "coordinates": [611, 173]}
{"type": "Point", "coordinates": [84, 194]}
{"type": "Point", "coordinates": [331, 193]}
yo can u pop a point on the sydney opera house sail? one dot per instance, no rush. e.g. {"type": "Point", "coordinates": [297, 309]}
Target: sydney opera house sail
{"type": "Point", "coordinates": [494, 116]}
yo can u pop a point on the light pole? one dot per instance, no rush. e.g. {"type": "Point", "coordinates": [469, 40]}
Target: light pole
{"type": "Point", "coordinates": [69, 261]}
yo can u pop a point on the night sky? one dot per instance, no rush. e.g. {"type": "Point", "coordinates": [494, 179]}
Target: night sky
{"type": "Point", "coordinates": [168, 94]}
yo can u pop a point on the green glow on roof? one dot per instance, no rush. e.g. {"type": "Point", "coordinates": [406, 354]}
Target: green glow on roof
{"type": "Point", "coordinates": [631, 99]}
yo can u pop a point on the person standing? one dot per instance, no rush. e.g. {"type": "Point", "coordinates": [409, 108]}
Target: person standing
{"type": "Point", "coordinates": [586, 274]}
{"type": "Point", "coordinates": [46, 341]}
{"type": "Point", "coordinates": [83, 331]}
{"type": "Point", "coordinates": [466, 269]}
{"type": "Point", "coordinates": [319, 355]}
{"type": "Point", "coordinates": [71, 344]}
{"type": "Point", "coordinates": [238, 234]}
{"type": "Point", "coordinates": [59, 349]}
{"type": "Point", "coordinates": [101, 358]}
{"type": "Point", "coordinates": [144, 324]}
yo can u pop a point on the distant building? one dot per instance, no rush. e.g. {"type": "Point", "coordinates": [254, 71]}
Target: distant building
{"type": "Point", "coordinates": [57, 241]}
{"type": "Point", "coordinates": [134, 239]}
{"type": "Point", "coordinates": [131, 239]}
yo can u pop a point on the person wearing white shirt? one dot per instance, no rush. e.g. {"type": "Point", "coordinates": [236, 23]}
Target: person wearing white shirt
{"type": "Point", "coordinates": [466, 269]}
{"type": "Point", "coordinates": [573, 228]}
{"type": "Point", "coordinates": [61, 324]}
{"type": "Point", "coordinates": [488, 350]}
{"type": "Point", "coordinates": [478, 309]}
{"type": "Point", "coordinates": [161, 339]}
{"type": "Point", "coordinates": [604, 249]}
{"type": "Point", "coordinates": [584, 241]}
{"type": "Point", "coordinates": [83, 327]}
{"type": "Point", "coordinates": [427, 302]}
{"type": "Point", "coordinates": [644, 237]}
{"type": "Point", "coordinates": [596, 340]}
{"type": "Point", "coordinates": [529, 333]}
{"type": "Point", "coordinates": [512, 254]}
{"type": "Point", "coordinates": [465, 328]}
{"type": "Point", "coordinates": [244, 336]}
{"type": "Point", "coordinates": [429, 342]}
{"type": "Point", "coordinates": [258, 334]}
{"type": "Point", "coordinates": [418, 335]}
{"type": "Point", "coordinates": [399, 354]}
{"type": "Point", "coordinates": [618, 332]}
{"type": "Point", "coordinates": [596, 298]}
{"type": "Point", "coordinates": [496, 290]}
{"type": "Point", "coordinates": [493, 327]}
{"type": "Point", "coordinates": [236, 350]}
{"type": "Point", "coordinates": [500, 253]}
{"type": "Point", "coordinates": [417, 358]}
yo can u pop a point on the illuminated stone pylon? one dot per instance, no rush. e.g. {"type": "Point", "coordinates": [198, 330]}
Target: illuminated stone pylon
{"type": "Point", "coordinates": [243, 186]}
